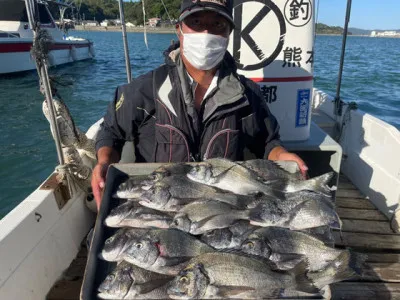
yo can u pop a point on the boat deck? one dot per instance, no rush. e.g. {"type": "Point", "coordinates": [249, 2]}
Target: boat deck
{"type": "Point", "coordinates": [365, 229]}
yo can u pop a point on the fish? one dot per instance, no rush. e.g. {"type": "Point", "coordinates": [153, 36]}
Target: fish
{"type": "Point", "coordinates": [294, 215]}
{"type": "Point", "coordinates": [228, 275]}
{"type": "Point", "coordinates": [134, 186]}
{"type": "Point", "coordinates": [199, 217]}
{"type": "Point", "coordinates": [131, 188]}
{"type": "Point", "coordinates": [274, 173]}
{"type": "Point", "coordinates": [159, 250]}
{"type": "Point", "coordinates": [231, 237]}
{"type": "Point", "coordinates": [115, 245]}
{"type": "Point", "coordinates": [128, 281]}
{"type": "Point", "coordinates": [131, 214]}
{"type": "Point", "coordinates": [172, 193]}
{"type": "Point", "coordinates": [226, 175]}
{"type": "Point", "coordinates": [323, 233]}
{"type": "Point", "coordinates": [271, 170]}
{"type": "Point", "coordinates": [283, 246]}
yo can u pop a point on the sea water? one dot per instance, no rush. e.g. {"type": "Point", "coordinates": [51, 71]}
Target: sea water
{"type": "Point", "coordinates": [371, 77]}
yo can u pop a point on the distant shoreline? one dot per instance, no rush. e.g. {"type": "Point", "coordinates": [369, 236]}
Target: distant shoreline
{"type": "Point", "coordinates": [167, 30]}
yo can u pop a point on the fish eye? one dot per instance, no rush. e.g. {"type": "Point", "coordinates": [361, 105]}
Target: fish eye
{"type": "Point", "coordinates": [139, 245]}
{"type": "Point", "coordinates": [109, 240]}
{"type": "Point", "coordinates": [110, 277]}
{"type": "Point", "coordinates": [250, 244]}
{"type": "Point", "coordinates": [176, 222]}
{"type": "Point", "coordinates": [184, 279]}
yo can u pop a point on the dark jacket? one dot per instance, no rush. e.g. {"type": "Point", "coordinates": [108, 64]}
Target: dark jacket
{"type": "Point", "coordinates": [156, 111]}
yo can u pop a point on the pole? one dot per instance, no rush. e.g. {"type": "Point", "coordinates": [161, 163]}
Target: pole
{"type": "Point", "coordinates": [125, 41]}
{"type": "Point", "coordinates": [338, 102]}
{"type": "Point", "coordinates": [44, 77]}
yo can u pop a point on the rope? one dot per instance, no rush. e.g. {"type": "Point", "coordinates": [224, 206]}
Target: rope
{"type": "Point", "coordinates": [41, 47]}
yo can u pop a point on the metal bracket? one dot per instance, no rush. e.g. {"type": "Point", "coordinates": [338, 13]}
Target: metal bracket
{"type": "Point", "coordinates": [60, 191]}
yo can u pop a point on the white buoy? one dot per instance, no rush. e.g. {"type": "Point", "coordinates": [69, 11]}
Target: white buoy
{"type": "Point", "coordinates": [73, 53]}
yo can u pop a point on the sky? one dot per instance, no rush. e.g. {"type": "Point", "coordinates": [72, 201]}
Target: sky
{"type": "Point", "coordinates": [365, 14]}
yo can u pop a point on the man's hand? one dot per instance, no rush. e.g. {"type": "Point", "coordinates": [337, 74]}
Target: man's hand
{"type": "Point", "coordinates": [98, 181]}
{"type": "Point", "coordinates": [280, 153]}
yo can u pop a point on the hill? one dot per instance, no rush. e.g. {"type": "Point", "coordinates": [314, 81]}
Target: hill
{"type": "Point", "coordinates": [321, 28]}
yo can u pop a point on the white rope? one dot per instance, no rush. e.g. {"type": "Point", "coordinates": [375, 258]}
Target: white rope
{"type": "Point", "coordinates": [166, 10]}
{"type": "Point", "coordinates": [144, 25]}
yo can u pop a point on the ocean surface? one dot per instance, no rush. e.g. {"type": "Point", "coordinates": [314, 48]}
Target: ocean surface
{"type": "Point", "coordinates": [27, 152]}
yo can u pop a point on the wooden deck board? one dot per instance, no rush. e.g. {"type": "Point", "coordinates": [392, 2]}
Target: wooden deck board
{"type": "Point", "coordinates": [367, 240]}
{"type": "Point", "coordinates": [366, 226]}
{"type": "Point", "coordinates": [360, 214]}
{"type": "Point", "coordinates": [354, 203]}
{"type": "Point", "coordinates": [365, 290]}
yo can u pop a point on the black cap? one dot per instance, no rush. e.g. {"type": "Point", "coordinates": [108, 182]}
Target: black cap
{"type": "Point", "coordinates": [223, 7]}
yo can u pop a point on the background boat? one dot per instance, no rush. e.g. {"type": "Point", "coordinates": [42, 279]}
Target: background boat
{"type": "Point", "coordinates": [16, 39]}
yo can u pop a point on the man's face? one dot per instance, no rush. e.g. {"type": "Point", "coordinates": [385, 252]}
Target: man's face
{"type": "Point", "coordinates": [204, 22]}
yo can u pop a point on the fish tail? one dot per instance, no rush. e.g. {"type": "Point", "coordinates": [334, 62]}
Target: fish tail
{"type": "Point", "coordinates": [317, 184]}
{"type": "Point", "coordinates": [348, 264]}
{"type": "Point", "coordinates": [302, 282]}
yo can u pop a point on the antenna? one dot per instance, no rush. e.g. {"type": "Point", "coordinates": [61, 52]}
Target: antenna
{"type": "Point", "coordinates": [338, 101]}
{"type": "Point", "coordinates": [125, 41]}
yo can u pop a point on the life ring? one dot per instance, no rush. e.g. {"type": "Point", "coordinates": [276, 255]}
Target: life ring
{"type": "Point", "coordinates": [73, 53]}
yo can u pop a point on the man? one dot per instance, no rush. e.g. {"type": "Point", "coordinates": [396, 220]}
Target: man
{"type": "Point", "coordinates": [193, 107]}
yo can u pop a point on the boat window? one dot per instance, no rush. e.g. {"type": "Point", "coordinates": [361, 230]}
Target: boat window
{"type": "Point", "coordinates": [9, 35]}
{"type": "Point", "coordinates": [12, 10]}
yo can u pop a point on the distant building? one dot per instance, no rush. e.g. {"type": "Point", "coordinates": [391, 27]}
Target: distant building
{"type": "Point", "coordinates": [129, 24]}
{"type": "Point", "coordinates": [388, 33]}
{"type": "Point", "coordinates": [105, 23]}
{"type": "Point", "coordinates": [154, 22]}
{"type": "Point", "coordinates": [90, 23]}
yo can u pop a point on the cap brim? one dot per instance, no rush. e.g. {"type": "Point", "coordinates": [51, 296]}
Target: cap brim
{"type": "Point", "coordinates": [197, 9]}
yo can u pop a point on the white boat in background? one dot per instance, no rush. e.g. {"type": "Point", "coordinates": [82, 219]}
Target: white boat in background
{"type": "Point", "coordinates": [16, 38]}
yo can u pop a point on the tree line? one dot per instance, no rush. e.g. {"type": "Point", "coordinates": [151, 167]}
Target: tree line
{"type": "Point", "coordinates": [108, 9]}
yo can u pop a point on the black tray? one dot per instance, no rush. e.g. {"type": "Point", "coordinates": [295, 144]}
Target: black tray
{"type": "Point", "coordinates": [96, 268]}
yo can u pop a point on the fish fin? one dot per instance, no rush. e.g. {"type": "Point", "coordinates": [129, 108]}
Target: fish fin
{"type": "Point", "coordinates": [344, 266]}
{"type": "Point", "coordinates": [286, 261]}
{"type": "Point", "coordinates": [288, 166]}
{"type": "Point", "coordinates": [171, 261]}
{"type": "Point", "coordinates": [302, 282]}
{"type": "Point", "coordinates": [147, 287]}
{"type": "Point", "coordinates": [226, 291]}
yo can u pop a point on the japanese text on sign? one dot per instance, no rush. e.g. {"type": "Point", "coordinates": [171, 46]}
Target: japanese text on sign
{"type": "Point", "coordinates": [303, 106]}
{"type": "Point", "coordinates": [269, 93]}
{"type": "Point", "coordinates": [298, 12]}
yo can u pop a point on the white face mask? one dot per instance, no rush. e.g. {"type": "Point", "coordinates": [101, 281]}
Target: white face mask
{"type": "Point", "coordinates": [204, 51]}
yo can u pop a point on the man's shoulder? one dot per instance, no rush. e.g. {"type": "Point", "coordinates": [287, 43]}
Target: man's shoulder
{"type": "Point", "coordinates": [142, 84]}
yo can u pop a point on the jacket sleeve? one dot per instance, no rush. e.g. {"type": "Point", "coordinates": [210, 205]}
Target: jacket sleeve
{"type": "Point", "coordinates": [125, 113]}
{"type": "Point", "coordinates": [264, 124]}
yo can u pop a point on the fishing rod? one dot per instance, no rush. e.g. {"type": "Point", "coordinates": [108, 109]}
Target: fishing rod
{"type": "Point", "coordinates": [125, 41]}
{"type": "Point", "coordinates": [41, 66]}
{"type": "Point", "coordinates": [338, 102]}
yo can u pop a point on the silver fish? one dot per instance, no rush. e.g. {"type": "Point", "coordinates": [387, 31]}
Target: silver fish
{"type": "Point", "coordinates": [130, 188]}
{"type": "Point", "coordinates": [228, 175]}
{"type": "Point", "coordinates": [128, 281]}
{"type": "Point", "coordinates": [226, 275]}
{"type": "Point", "coordinates": [158, 250]}
{"type": "Point", "coordinates": [282, 246]}
{"type": "Point", "coordinates": [199, 217]}
{"type": "Point", "coordinates": [172, 193]}
{"type": "Point", "coordinates": [115, 245]}
{"type": "Point", "coordinates": [131, 214]}
{"type": "Point", "coordinates": [293, 215]}
{"type": "Point", "coordinates": [229, 238]}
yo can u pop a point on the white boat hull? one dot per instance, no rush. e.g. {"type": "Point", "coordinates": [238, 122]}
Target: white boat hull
{"type": "Point", "coordinates": [16, 57]}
